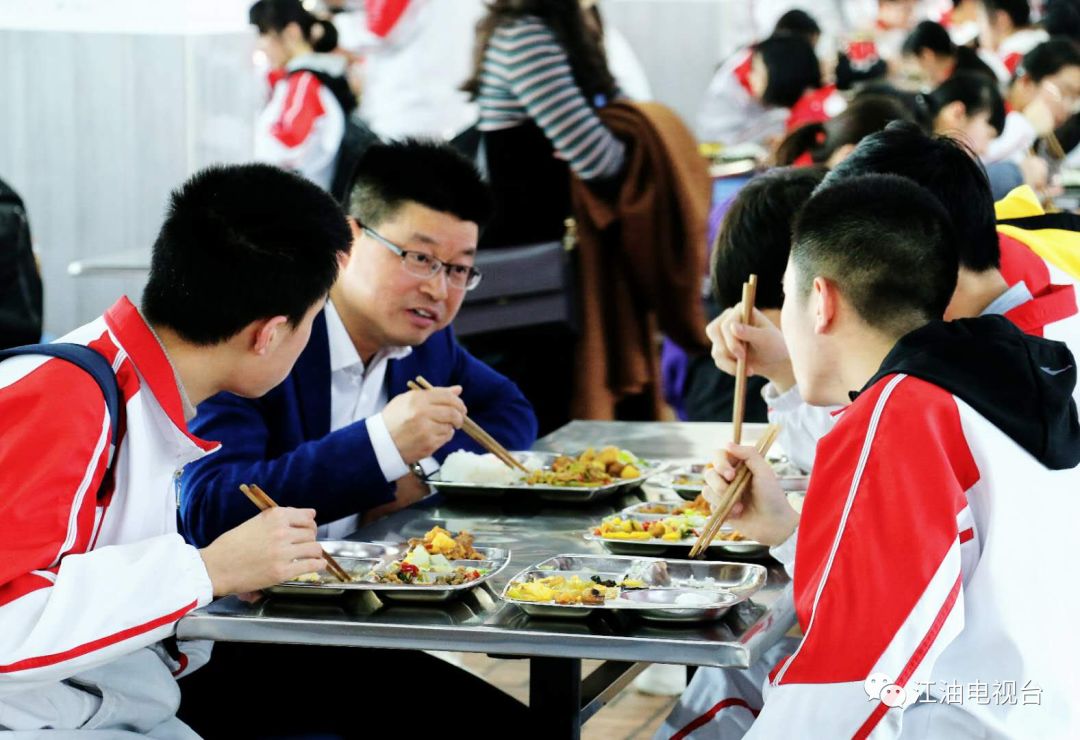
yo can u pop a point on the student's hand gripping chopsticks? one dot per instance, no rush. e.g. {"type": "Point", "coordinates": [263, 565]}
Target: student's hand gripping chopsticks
{"type": "Point", "coordinates": [732, 494]}
{"type": "Point", "coordinates": [474, 430]}
{"type": "Point", "coordinates": [263, 502]}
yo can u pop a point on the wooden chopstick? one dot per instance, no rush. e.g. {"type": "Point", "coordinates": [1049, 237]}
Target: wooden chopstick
{"type": "Point", "coordinates": [263, 502]}
{"type": "Point", "coordinates": [749, 292]}
{"type": "Point", "coordinates": [475, 431]}
{"type": "Point", "coordinates": [732, 493]}
{"type": "Point", "coordinates": [1054, 145]}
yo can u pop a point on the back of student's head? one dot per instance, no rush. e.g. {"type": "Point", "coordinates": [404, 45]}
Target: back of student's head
{"type": "Point", "coordinates": [865, 115]}
{"type": "Point", "coordinates": [1049, 58]}
{"type": "Point", "coordinates": [1018, 11]}
{"type": "Point", "coordinates": [945, 168]}
{"type": "Point", "coordinates": [928, 35]}
{"type": "Point", "coordinates": [242, 243]}
{"type": "Point", "coordinates": [1062, 18]}
{"type": "Point", "coordinates": [755, 235]}
{"type": "Point", "coordinates": [428, 173]}
{"type": "Point", "coordinates": [792, 66]}
{"type": "Point", "coordinates": [885, 243]}
{"type": "Point", "coordinates": [799, 22]}
{"type": "Point", "coordinates": [977, 92]}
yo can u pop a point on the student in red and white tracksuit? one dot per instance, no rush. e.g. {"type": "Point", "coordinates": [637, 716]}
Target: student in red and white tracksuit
{"type": "Point", "coordinates": [303, 123]}
{"type": "Point", "coordinates": [89, 589]}
{"type": "Point", "coordinates": [94, 579]}
{"type": "Point", "coordinates": [906, 569]}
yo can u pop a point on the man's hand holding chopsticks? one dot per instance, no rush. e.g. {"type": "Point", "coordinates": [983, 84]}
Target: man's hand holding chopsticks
{"type": "Point", "coordinates": [760, 342]}
{"type": "Point", "coordinates": [764, 513]}
{"type": "Point", "coordinates": [420, 422]}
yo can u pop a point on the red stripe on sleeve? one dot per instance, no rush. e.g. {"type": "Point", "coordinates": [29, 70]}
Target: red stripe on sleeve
{"type": "Point", "coordinates": [704, 719]}
{"type": "Point", "coordinates": [103, 642]}
{"type": "Point", "coordinates": [383, 15]}
{"type": "Point", "coordinates": [898, 531]}
{"type": "Point", "coordinates": [301, 110]}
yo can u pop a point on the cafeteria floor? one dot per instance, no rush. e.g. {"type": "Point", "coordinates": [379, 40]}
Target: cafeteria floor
{"type": "Point", "coordinates": [631, 714]}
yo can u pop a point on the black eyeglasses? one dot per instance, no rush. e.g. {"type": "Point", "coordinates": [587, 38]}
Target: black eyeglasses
{"type": "Point", "coordinates": [421, 265]}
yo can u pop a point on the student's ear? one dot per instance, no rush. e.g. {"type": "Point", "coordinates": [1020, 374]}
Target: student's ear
{"type": "Point", "coordinates": [952, 115]}
{"type": "Point", "coordinates": [292, 33]}
{"type": "Point", "coordinates": [266, 333]}
{"type": "Point", "coordinates": [825, 305]}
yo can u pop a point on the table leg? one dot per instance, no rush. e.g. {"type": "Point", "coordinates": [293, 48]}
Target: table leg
{"type": "Point", "coordinates": [555, 697]}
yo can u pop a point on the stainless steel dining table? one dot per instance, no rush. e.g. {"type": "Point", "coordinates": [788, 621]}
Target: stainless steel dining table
{"type": "Point", "coordinates": [561, 698]}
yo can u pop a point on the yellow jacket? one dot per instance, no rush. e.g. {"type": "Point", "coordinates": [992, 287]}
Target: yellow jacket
{"type": "Point", "coordinates": [1053, 236]}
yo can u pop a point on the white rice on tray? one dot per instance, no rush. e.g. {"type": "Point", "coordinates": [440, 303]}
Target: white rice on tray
{"type": "Point", "coordinates": [468, 467]}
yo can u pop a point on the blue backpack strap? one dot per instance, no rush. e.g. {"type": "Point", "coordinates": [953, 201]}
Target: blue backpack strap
{"type": "Point", "coordinates": [99, 368]}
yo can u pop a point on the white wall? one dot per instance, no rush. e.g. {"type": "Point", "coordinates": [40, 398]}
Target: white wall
{"type": "Point", "coordinates": [108, 105]}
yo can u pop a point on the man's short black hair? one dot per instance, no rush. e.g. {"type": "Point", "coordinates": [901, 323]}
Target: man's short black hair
{"type": "Point", "coordinates": [885, 243]}
{"type": "Point", "coordinates": [755, 235]}
{"type": "Point", "coordinates": [948, 170]}
{"type": "Point", "coordinates": [798, 21]}
{"type": "Point", "coordinates": [1019, 11]}
{"type": "Point", "coordinates": [241, 243]}
{"type": "Point", "coordinates": [1049, 58]}
{"type": "Point", "coordinates": [432, 174]}
{"type": "Point", "coordinates": [793, 68]}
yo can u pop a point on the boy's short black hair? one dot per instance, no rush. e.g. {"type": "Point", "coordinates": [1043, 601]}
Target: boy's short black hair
{"type": "Point", "coordinates": [977, 92]}
{"type": "Point", "coordinates": [948, 170]}
{"type": "Point", "coordinates": [241, 243]}
{"type": "Point", "coordinates": [799, 22]}
{"type": "Point", "coordinates": [886, 244]}
{"type": "Point", "coordinates": [1049, 58]}
{"type": "Point", "coordinates": [793, 68]}
{"type": "Point", "coordinates": [1019, 11]}
{"type": "Point", "coordinates": [755, 235]}
{"type": "Point", "coordinates": [430, 173]}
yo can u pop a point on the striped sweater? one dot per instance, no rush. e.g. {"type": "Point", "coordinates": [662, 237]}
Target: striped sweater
{"type": "Point", "coordinates": [526, 76]}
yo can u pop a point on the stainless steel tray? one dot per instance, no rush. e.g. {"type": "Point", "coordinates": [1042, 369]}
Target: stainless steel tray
{"type": "Point", "coordinates": [667, 548]}
{"type": "Point", "coordinates": [678, 548]}
{"type": "Point", "coordinates": [377, 555]}
{"type": "Point", "coordinates": [791, 478]}
{"type": "Point", "coordinates": [716, 585]}
{"type": "Point", "coordinates": [562, 494]}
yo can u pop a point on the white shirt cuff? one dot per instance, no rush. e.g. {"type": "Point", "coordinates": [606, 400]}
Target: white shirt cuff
{"type": "Point", "coordinates": [786, 401]}
{"type": "Point", "coordinates": [386, 452]}
{"type": "Point", "coordinates": [785, 553]}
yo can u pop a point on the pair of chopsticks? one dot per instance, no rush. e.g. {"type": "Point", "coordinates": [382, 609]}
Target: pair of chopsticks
{"type": "Point", "coordinates": [749, 292]}
{"type": "Point", "coordinates": [1054, 146]}
{"type": "Point", "coordinates": [732, 493]}
{"type": "Point", "coordinates": [474, 430]}
{"type": "Point", "coordinates": [263, 502]}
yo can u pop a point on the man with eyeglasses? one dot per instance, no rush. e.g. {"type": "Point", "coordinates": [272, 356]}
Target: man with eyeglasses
{"type": "Point", "coordinates": [343, 434]}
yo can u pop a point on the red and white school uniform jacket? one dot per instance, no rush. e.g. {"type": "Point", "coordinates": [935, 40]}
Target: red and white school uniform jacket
{"type": "Point", "coordinates": [88, 588]}
{"type": "Point", "coordinates": [301, 128]}
{"type": "Point", "coordinates": [933, 549]}
{"type": "Point", "coordinates": [1012, 49]}
{"type": "Point", "coordinates": [730, 115]}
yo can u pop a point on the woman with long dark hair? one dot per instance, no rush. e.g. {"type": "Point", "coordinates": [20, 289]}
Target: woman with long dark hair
{"type": "Point", "coordinates": [540, 76]}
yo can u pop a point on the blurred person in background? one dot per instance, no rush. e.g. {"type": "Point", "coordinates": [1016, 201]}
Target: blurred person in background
{"type": "Point", "coordinates": [1009, 32]}
{"type": "Point", "coordinates": [20, 279]}
{"type": "Point", "coordinates": [540, 76]}
{"type": "Point", "coordinates": [936, 57]}
{"type": "Point", "coordinates": [750, 96]}
{"type": "Point", "coordinates": [829, 142]}
{"type": "Point", "coordinates": [304, 121]}
{"type": "Point", "coordinates": [1041, 97]}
